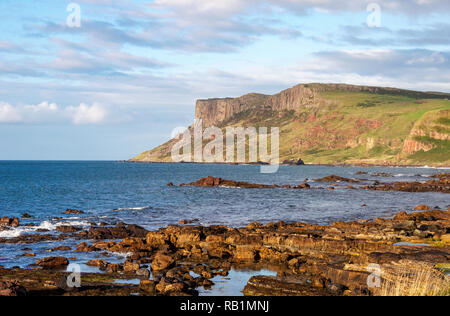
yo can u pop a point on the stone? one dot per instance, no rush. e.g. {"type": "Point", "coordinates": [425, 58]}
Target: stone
{"type": "Point", "coordinates": [130, 266]}
{"type": "Point", "coordinates": [12, 288]}
{"type": "Point", "coordinates": [336, 289]}
{"type": "Point", "coordinates": [84, 247]}
{"type": "Point", "coordinates": [245, 253]}
{"type": "Point", "coordinates": [422, 207]}
{"type": "Point", "coordinates": [53, 263]}
{"type": "Point", "coordinates": [148, 286]}
{"type": "Point", "coordinates": [97, 263]}
{"type": "Point", "coordinates": [9, 222]}
{"type": "Point", "coordinates": [145, 273]}
{"type": "Point", "coordinates": [334, 178]}
{"type": "Point", "coordinates": [445, 238]}
{"type": "Point", "coordinates": [405, 226]}
{"type": "Point", "coordinates": [26, 216]}
{"type": "Point", "coordinates": [68, 229]}
{"type": "Point", "coordinates": [73, 212]}
{"type": "Point", "coordinates": [162, 262]}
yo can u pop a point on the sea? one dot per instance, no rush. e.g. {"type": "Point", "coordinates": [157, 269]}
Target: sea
{"type": "Point", "coordinates": [137, 193]}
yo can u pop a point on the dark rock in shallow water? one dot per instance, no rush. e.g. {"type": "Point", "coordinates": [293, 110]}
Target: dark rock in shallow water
{"type": "Point", "coordinates": [53, 263]}
{"type": "Point", "coordinates": [439, 183]}
{"type": "Point", "coordinates": [73, 212]}
{"type": "Point", "coordinates": [334, 178]}
{"type": "Point", "coordinates": [68, 229]}
{"type": "Point", "coordinates": [210, 182]}
{"type": "Point", "coordinates": [117, 232]}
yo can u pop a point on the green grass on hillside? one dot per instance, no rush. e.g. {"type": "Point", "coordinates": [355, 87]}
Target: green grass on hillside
{"type": "Point", "coordinates": [352, 127]}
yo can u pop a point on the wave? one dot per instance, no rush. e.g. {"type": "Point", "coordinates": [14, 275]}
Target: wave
{"type": "Point", "coordinates": [412, 175]}
{"type": "Point", "coordinates": [133, 208]}
{"type": "Point", "coordinates": [45, 225]}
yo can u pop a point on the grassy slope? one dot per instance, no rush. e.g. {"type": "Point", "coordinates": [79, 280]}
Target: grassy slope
{"type": "Point", "coordinates": [349, 127]}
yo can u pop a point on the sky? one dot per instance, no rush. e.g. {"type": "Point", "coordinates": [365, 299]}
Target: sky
{"type": "Point", "coordinates": [109, 79]}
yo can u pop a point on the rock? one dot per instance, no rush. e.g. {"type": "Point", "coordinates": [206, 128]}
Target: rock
{"type": "Point", "coordinates": [445, 238]}
{"type": "Point", "coordinates": [255, 225]}
{"type": "Point", "coordinates": [219, 182]}
{"type": "Point", "coordinates": [439, 183]}
{"type": "Point", "coordinates": [52, 263]}
{"type": "Point", "coordinates": [103, 245]}
{"type": "Point", "coordinates": [170, 184]}
{"type": "Point", "coordinates": [61, 248]}
{"type": "Point", "coordinates": [113, 268]}
{"type": "Point", "coordinates": [97, 263]}
{"type": "Point", "coordinates": [298, 162]}
{"type": "Point", "coordinates": [29, 254]}
{"type": "Point", "coordinates": [12, 288]}
{"type": "Point", "coordinates": [273, 286]}
{"type": "Point", "coordinates": [9, 222]}
{"type": "Point", "coordinates": [130, 266]}
{"type": "Point", "coordinates": [84, 247]}
{"type": "Point", "coordinates": [148, 286]}
{"type": "Point", "coordinates": [245, 253]}
{"type": "Point", "coordinates": [145, 273]}
{"type": "Point", "coordinates": [334, 178]}
{"type": "Point", "coordinates": [336, 289]}
{"type": "Point", "coordinates": [117, 232]}
{"type": "Point", "coordinates": [73, 212]}
{"type": "Point", "coordinates": [165, 287]}
{"type": "Point", "coordinates": [162, 262]}
{"type": "Point", "coordinates": [422, 207]}
{"type": "Point", "coordinates": [68, 229]}
{"type": "Point", "coordinates": [26, 215]}
{"type": "Point", "coordinates": [409, 226]}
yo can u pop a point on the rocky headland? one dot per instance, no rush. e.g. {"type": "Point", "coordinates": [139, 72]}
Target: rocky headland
{"type": "Point", "coordinates": [337, 124]}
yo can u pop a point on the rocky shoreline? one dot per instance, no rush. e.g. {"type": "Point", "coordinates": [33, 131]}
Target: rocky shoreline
{"type": "Point", "coordinates": [406, 255]}
{"type": "Point", "coordinates": [310, 259]}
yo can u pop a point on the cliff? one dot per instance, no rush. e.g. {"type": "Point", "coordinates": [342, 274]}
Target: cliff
{"type": "Point", "coordinates": [338, 123]}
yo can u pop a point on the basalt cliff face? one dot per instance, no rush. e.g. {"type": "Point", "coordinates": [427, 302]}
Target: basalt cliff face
{"type": "Point", "coordinates": [217, 111]}
{"type": "Point", "coordinates": [338, 123]}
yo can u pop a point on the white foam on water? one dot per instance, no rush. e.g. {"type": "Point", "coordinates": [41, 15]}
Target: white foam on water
{"type": "Point", "coordinates": [133, 208]}
{"type": "Point", "coordinates": [45, 225]}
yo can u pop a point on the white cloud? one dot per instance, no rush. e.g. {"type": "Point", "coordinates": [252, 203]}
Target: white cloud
{"type": "Point", "coordinates": [8, 114]}
{"type": "Point", "coordinates": [46, 112]}
{"type": "Point", "coordinates": [85, 114]}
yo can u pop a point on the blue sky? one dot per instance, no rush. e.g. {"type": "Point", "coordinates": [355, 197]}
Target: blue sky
{"type": "Point", "coordinates": [130, 74]}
